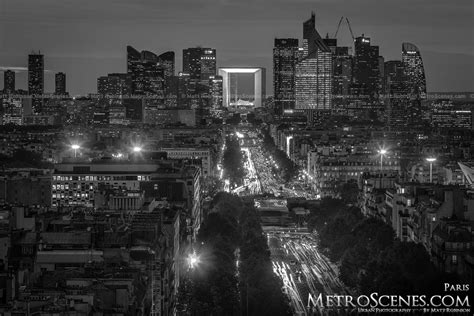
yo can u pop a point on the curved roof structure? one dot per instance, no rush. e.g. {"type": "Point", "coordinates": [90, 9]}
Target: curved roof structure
{"type": "Point", "coordinates": [409, 47]}
{"type": "Point", "coordinates": [132, 52]}
{"type": "Point", "coordinates": [149, 56]}
{"type": "Point", "coordinates": [169, 55]}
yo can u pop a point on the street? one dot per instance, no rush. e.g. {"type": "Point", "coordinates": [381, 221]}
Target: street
{"type": "Point", "coordinates": [302, 268]}
{"type": "Point", "coordinates": [296, 258]}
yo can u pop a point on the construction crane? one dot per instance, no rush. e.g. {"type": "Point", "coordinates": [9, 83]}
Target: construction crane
{"type": "Point", "coordinates": [350, 28]}
{"type": "Point", "coordinates": [338, 26]}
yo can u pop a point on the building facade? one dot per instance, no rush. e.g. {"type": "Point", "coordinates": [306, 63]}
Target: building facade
{"type": "Point", "coordinates": [36, 80]}
{"type": "Point", "coordinates": [313, 78]}
{"type": "Point", "coordinates": [60, 83]}
{"type": "Point", "coordinates": [285, 58]}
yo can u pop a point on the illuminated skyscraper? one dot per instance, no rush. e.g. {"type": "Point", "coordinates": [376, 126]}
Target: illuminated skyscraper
{"type": "Point", "coordinates": [208, 63]}
{"type": "Point", "coordinates": [366, 71]}
{"type": "Point", "coordinates": [116, 84]}
{"type": "Point", "coordinates": [414, 71]}
{"type": "Point", "coordinates": [60, 83]}
{"type": "Point", "coordinates": [216, 91]}
{"type": "Point", "coordinates": [167, 62]}
{"type": "Point", "coordinates": [114, 88]}
{"type": "Point", "coordinates": [145, 71]}
{"type": "Point", "coordinates": [313, 79]}
{"type": "Point", "coordinates": [199, 63]}
{"type": "Point", "coordinates": [341, 73]}
{"type": "Point", "coordinates": [135, 69]}
{"type": "Point", "coordinates": [9, 82]}
{"type": "Point", "coordinates": [396, 101]}
{"type": "Point", "coordinates": [36, 80]}
{"type": "Point", "coordinates": [285, 57]}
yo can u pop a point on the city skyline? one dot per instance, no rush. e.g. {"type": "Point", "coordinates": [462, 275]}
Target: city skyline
{"type": "Point", "coordinates": [85, 54]}
{"type": "Point", "coordinates": [145, 170]}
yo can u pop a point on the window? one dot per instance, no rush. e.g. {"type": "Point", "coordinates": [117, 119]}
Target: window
{"type": "Point", "coordinates": [454, 259]}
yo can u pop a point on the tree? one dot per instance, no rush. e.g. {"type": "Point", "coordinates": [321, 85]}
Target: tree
{"type": "Point", "coordinates": [211, 185]}
{"type": "Point", "coordinates": [24, 158]}
{"type": "Point", "coordinates": [214, 288]}
{"type": "Point", "coordinates": [349, 192]}
{"type": "Point", "coordinates": [352, 263]}
{"type": "Point", "coordinates": [233, 161]}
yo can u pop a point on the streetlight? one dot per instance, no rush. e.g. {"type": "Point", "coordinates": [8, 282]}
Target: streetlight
{"type": "Point", "coordinates": [193, 260]}
{"type": "Point", "coordinates": [137, 149]}
{"type": "Point", "coordinates": [382, 153]}
{"type": "Point", "coordinates": [431, 160]}
{"type": "Point", "coordinates": [75, 147]}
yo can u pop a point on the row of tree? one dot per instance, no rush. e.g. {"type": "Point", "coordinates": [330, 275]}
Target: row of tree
{"type": "Point", "coordinates": [232, 234]}
{"type": "Point", "coordinates": [287, 169]}
{"type": "Point", "coordinates": [232, 161]}
{"type": "Point", "coordinates": [370, 258]}
{"type": "Point", "coordinates": [22, 158]}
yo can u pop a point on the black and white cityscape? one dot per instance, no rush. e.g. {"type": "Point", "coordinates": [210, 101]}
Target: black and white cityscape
{"type": "Point", "coordinates": [224, 157]}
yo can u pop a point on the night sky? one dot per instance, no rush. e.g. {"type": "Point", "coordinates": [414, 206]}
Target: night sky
{"type": "Point", "coordinates": [87, 38]}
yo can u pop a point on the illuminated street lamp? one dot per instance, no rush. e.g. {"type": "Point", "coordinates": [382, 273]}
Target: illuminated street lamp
{"type": "Point", "coordinates": [137, 149]}
{"type": "Point", "coordinates": [75, 147]}
{"type": "Point", "coordinates": [382, 153]}
{"type": "Point", "coordinates": [193, 260]}
{"type": "Point", "coordinates": [288, 140]}
{"type": "Point", "coordinates": [431, 160]}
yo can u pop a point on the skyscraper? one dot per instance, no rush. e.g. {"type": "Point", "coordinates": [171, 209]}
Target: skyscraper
{"type": "Point", "coordinates": [366, 74]}
{"type": "Point", "coordinates": [36, 80]}
{"type": "Point", "coordinates": [60, 80]}
{"type": "Point", "coordinates": [167, 62]}
{"type": "Point", "coordinates": [313, 79]}
{"type": "Point", "coordinates": [285, 57]}
{"type": "Point", "coordinates": [199, 63]}
{"type": "Point", "coordinates": [414, 71]}
{"type": "Point", "coordinates": [395, 95]}
{"type": "Point", "coordinates": [310, 35]}
{"type": "Point", "coordinates": [146, 73]}
{"type": "Point", "coordinates": [208, 63]}
{"type": "Point", "coordinates": [9, 82]}
{"type": "Point", "coordinates": [135, 70]}
{"type": "Point", "coordinates": [216, 91]}
{"type": "Point", "coordinates": [341, 74]}
{"type": "Point", "coordinates": [116, 84]}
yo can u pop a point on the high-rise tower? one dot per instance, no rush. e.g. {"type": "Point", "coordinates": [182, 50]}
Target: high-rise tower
{"type": "Point", "coordinates": [366, 72]}
{"type": "Point", "coordinates": [60, 83]}
{"type": "Point", "coordinates": [313, 79]}
{"type": "Point", "coordinates": [199, 63]}
{"type": "Point", "coordinates": [146, 73]}
{"type": "Point", "coordinates": [285, 58]}
{"type": "Point", "coordinates": [36, 80]}
{"type": "Point", "coordinates": [9, 82]}
{"type": "Point", "coordinates": [414, 71]}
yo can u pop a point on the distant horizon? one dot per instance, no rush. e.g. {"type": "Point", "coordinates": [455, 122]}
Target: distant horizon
{"type": "Point", "coordinates": [88, 40]}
